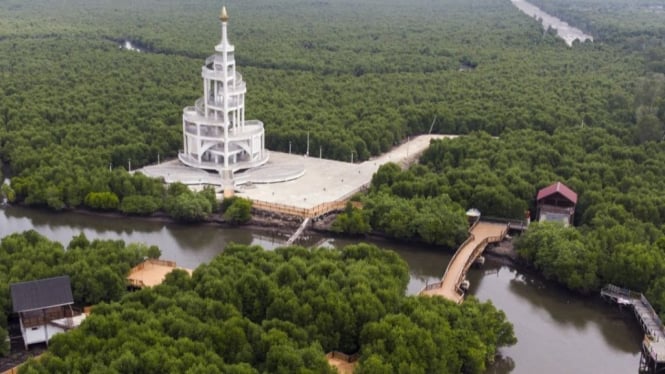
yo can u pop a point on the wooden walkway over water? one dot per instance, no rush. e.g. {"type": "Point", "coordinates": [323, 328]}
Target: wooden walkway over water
{"type": "Point", "coordinates": [652, 359]}
{"type": "Point", "coordinates": [480, 235]}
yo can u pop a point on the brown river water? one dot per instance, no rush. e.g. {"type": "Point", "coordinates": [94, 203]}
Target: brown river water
{"type": "Point", "coordinates": [557, 332]}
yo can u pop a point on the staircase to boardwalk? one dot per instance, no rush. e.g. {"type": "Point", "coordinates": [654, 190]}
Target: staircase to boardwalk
{"type": "Point", "coordinates": [298, 232]}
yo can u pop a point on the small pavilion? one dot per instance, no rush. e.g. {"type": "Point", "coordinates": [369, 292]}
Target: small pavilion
{"type": "Point", "coordinates": [556, 202]}
{"type": "Point", "coordinates": [152, 272]}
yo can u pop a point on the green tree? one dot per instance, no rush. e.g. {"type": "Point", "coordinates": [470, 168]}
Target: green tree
{"type": "Point", "coordinates": [139, 205]}
{"type": "Point", "coordinates": [4, 342]}
{"type": "Point", "coordinates": [352, 221]}
{"type": "Point", "coordinates": [239, 211]}
{"type": "Point", "coordinates": [188, 207]}
{"type": "Point", "coordinates": [8, 192]}
{"type": "Point", "coordinates": [102, 200]}
{"type": "Point", "coordinates": [561, 254]}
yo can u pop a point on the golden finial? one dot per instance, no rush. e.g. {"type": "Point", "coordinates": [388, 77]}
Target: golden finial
{"type": "Point", "coordinates": [223, 15]}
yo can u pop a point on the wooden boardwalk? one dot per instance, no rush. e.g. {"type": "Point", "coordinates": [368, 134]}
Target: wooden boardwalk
{"type": "Point", "coordinates": [653, 346]}
{"type": "Point", "coordinates": [481, 234]}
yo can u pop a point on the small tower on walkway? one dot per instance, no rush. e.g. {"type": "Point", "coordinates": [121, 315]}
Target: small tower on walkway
{"type": "Point", "coordinates": [216, 135]}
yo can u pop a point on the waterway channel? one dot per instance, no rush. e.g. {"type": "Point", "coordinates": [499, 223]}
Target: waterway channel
{"type": "Point", "coordinates": [566, 32]}
{"type": "Point", "coordinates": [557, 332]}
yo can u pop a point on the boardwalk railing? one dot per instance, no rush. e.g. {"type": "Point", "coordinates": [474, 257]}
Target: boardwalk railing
{"type": "Point", "coordinates": [647, 343]}
{"type": "Point", "coordinates": [153, 261]}
{"type": "Point", "coordinates": [464, 244]}
{"type": "Point", "coordinates": [651, 310]}
{"type": "Point", "coordinates": [452, 260]}
{"type": "Point", "coordinates": [469, 261]}
{"type": "Point", "coordinates": [343, 356]}
{"type": "Point", "coordinates": [611, 290]}
{"type": "Point", "coordinates": [315, 211]}
{"type": "Point", "coordinates": [480, 247]}
{"type": "Point", "coordinates": [512, 223]}
{"type": "Point", "coordinates": [645, 314]}
{"type": "Point", "coordinates": [432, 286]}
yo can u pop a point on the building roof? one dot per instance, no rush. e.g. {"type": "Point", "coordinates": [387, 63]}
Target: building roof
{"type": "Point", "coordinates": [41, 293]}
{"type": "Point", "coordinates": [560, 188]}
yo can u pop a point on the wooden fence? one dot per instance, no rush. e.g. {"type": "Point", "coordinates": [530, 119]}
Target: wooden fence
{"type": "Point", "coordinates": [343, 356]}
{"type": "Point", "coordinates": [432, 286]}
{"type": "Point", "coordinates": [452, 260]}
{"type": "Point", "coordinates": [151, 261]}
{"type": "Point", "coordinates": [313, 212]}
{"type": "Point", "coordinates": [480, 247]}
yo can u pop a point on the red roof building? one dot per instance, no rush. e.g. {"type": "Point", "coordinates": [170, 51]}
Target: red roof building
{"type": "Point", "coordinates": [556, 202]}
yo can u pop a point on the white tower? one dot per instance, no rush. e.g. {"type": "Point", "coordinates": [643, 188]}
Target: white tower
{"type": "Point", "coordinates": [215, 133]}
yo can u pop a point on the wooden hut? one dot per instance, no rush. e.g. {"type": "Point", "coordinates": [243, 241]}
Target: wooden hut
{"type": "Point", "coordinates": [44, 307]}
{"type": "Point", "coordinates": [556, 202]}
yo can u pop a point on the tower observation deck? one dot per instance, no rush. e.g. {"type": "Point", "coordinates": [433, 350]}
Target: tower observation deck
{"type": "Point", "coordinates": [216, 135]}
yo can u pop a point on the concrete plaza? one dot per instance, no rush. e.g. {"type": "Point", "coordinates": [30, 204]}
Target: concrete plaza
{"type": "Point", "coordinates": [295, 180]}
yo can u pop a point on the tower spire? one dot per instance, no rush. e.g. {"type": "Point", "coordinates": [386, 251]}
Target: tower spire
{"type": "Point", "coordinates": [224, 43]}
{"type": "Point", "coordinates": [224, 16]}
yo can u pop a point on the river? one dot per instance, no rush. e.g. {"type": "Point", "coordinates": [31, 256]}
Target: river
{"type": "Point", "coordinates": [557, 332]}
{"type": "Point", "coordinates": [566, 32]}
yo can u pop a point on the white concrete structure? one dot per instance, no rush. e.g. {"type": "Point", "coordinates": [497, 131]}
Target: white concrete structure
{"type": "Point", "coordinates": [306, 182]}
{"type": "Point", "coordinates": [216, 135]}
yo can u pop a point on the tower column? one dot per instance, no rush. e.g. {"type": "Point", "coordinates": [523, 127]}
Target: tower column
{"type": "Point", "coordinates": [222, 140]}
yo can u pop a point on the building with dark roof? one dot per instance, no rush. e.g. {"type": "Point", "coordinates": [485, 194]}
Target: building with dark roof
{"type": "Point", "coordinates": [44, 307]}
{"type": "Point", "coordinates": [556, 202]}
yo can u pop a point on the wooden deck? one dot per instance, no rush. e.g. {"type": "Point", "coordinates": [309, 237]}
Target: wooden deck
{"type": "Point", "coordinates": [653, 345]}
{"type": "Point", "coordinates": [481, 234]}
{"type": "Point", "coordinates": [345, 364]}
{"type": "Point", "coordinates": [152, 272]}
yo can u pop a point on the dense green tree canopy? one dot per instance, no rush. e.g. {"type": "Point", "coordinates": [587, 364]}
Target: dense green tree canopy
{"type": "Point", "coordinates": [252, 311]}
{"type": "Point", "coordinates": [620, 213]}
{"type": "Point", "coordinates": [357, 76]}
{"type": "Point", "coordinates": [352, 77]}
{"type": "Point", "coordinates": [97, 269]}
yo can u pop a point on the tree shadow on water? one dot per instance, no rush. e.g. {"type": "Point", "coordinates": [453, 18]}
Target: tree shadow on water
{"type": "Point", "coordinates": [568, 309]}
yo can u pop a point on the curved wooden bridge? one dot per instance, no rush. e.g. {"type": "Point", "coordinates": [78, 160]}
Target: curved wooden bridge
{"type": "Point", "coordinates": [652, 359]}
{"type": "Point", "coordinates": [480, 235]}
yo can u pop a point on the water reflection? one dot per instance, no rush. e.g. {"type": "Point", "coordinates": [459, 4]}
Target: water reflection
{"type": "Point", "coordinates": [188, 245]}
{"type": "Point", "coordinates": [558, 332]}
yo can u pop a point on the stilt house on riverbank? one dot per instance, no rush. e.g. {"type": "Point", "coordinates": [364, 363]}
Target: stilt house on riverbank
{"type": "Point", "coordinates": [556, 202]}
{"type": "Point", "coordinates": [44, 307]}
